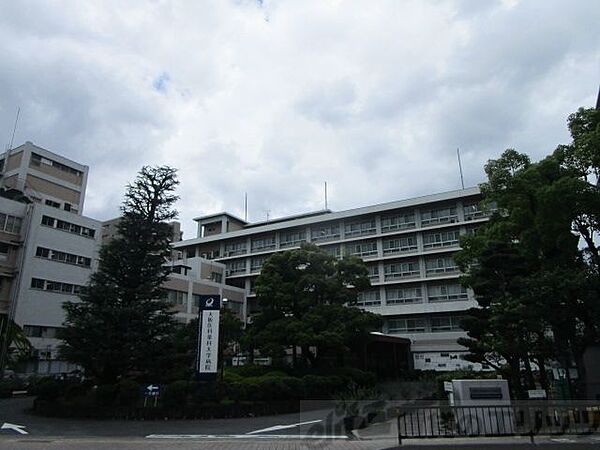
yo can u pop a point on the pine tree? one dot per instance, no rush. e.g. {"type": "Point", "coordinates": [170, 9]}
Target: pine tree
{"type": "Point", "coordinates": [120, 325]}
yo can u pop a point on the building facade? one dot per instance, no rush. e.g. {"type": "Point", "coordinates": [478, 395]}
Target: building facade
{"type": "Point", "coordinates": [407, 246]}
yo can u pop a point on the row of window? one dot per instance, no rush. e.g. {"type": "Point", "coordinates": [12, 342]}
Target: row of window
{"type": "Point", "coordinates": [424, 324]}
{"type": "Point", "coordinates": [331, 231]}
{"type": "Point", "coordinates": [408, 269]}
{"type": "Point", "coordinates": [40, 332]}
{"type": "Point", "coordinates": [392, 271]}
{"type": "Point", "coordinates": [55, 286]}
{"type": "Point", "coordinates": [64, 257]}
{"type": "Point", "coordinates": [10, 224]}
{"type": "Point", "coordinates": [37, 160]}
{"type": "Point", "coordinates": [362, 249]}
{"type": "Point", "coordinates": [68, 227]}
{"type": "Point", "coordinates": [67, 206]}
{"type": "Point", "coordinates": [406, 295]}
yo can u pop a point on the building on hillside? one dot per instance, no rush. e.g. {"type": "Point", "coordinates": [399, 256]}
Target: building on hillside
{"type": "Point", "coordinates": [407, 246]}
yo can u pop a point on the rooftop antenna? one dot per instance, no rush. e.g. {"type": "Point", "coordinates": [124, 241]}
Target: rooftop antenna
{"type": "Point", "coordinates": [9, 148]}
{"type": "Point", "coordinates": [326, 195]}
{"type": "Point", "coordinates": [462, 180]}
{"type": "Point", "coordinates": [12, 138]}
{"type": "Point", "coordinates": [268, 211]}
{"type": "Point", "coordinates": [245, 206]}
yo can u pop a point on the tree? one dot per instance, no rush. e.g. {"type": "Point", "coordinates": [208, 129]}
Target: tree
{"type": "Point", "coordinates": [14, 345]}
{"type": "Point", "coordinates": [534, 266]}
{"type": "Point", "coordinates": [307, 299]}
{"type": "Point", "coordinates": [121, 324]}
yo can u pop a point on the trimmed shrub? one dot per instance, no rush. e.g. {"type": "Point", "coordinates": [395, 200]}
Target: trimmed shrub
{"type": "Point", "coordinates": [176, 395]}
{"type": "Point", "coordinates": [129, 393]}
{"type": "Point", "coordinates": [106, 394]}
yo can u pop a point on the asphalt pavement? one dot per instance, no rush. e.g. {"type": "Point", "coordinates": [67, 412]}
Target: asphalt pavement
{"type": "Point", "coordinates": [314, 429]}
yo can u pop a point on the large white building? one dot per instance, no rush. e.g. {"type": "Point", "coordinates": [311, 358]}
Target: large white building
{"type": "Point", "coordinates": [407, 246]}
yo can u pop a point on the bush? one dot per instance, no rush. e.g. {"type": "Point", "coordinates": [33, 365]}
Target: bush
{"type": "Point", "coordinates": [47, 389]}
{"type": "Point", "coordinates": [251, 370]}
{"type": "Point", "coordinates": [321, 387]}
{"type": "Point", "coordinates": [129, 393]}
{"type": "Point", "coordinates": [106, 394]}
{"type": "Point", "coordinates": [176, 394]}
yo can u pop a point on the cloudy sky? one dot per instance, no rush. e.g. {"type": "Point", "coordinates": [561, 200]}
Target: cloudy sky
{"type": "Point", "coordinates": [275, 97]}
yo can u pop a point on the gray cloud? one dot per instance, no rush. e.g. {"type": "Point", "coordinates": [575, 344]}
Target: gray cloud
{"type": "Point", "coordinates": [275, 97]}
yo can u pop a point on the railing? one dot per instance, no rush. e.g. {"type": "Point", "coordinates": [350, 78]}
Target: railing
{"type": "Point", "coordinates": [547, 418]}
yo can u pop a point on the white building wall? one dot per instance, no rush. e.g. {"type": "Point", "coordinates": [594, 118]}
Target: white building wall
{"type": "Point", "coordinates": [43, 308]}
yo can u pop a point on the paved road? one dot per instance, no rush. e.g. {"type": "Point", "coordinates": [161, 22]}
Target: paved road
{"type": "Point", "coordinates": [71, 434]}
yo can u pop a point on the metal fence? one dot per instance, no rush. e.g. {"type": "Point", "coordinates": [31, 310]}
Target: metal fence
{"type": "Point", "coordinates": [489, 420]}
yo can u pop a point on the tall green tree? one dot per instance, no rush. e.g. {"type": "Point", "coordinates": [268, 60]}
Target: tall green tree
{"type": "Point", "coordinates": [306, 298]}
{"type": "Point", "coordinates": [534, 266]}
{"type": "Point", "coordinates": [120, 326]}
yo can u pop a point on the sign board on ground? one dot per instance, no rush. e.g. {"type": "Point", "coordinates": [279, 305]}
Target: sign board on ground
{"type": "Point", "coordinates": [152, 390]}
{"type": "Point", "coordinates": [447, 386]}
{"type": "Point", "coordinates": [207, 354]}
{"type": "Point", "coordinates": [536, 393]}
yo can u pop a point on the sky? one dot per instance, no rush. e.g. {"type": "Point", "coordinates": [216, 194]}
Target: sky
{"type": "Point", "coordinates": [274, 98]}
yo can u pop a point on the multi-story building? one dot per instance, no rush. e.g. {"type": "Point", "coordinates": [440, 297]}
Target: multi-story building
{"type": "Point", "coordinates": [44, 177]}
{"type": "Point", "coordinates": [47, 248]}
{"type": "Point", "coordinates": [407, 246]}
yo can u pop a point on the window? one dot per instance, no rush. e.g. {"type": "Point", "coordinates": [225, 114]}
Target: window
{"type": "Point", "coordinates": [52, 203]}
{"type": "Point", "coordinates": [10, 224]}
{"type": "Point", "coordinates": [292, 238]}
{"type": "Point", "coordinates": [4, 249]}
{"type": "Point", "coordinates": [368, 298]}
{"type": "Point", "coordinates": [398, 222]}
{"type": "Point", "coordinates": [439, 215]}
{"type": "Point", "coordinates": [362, 249]}
{"type": "Point", "coordinates": [403, 244]}
{"type": "Point", "coordinates": [264, 243]}
{"type": "Point", "coordinates": [473, 211]}
{"type": "Point", "coordinates": [40, 332]}
{"type": "Point", "coordinates": [397, 270]}
{"type": "Point", "coordinates": [37, 160]}
{"type": "Point", "coordinates": [446, 292]}
{"type": "Point", "coordinates": [217, 277]}
{"type": "Point", "coordinates": [68, 258]}
{"type": "Point", "coordinates": [328, 232]}
{"type": "Point", "coordinates": [333, 250]}
{"type": "Point", "coordinates": [373, 273]}
{"type": "Point", "coordinates": [67, 206]}
{"type": "Point", "coordinates": [406, 325]}
{"type": "Point", "coordinates": [447, 323]}
{"type": "Point", "coordinates": [235, 267]}
{"type": "Point", "coordinates": [403, 295]}
{"type": "Point", "coordinates": [235, 248]}
{"type": "Point", "coordinates": [441, 239]}
{"type": "Point", "coordinates": [361, 228]}
{"type": "Point", "coordinates": [257, 262]}
{"type": "Point", "coordinates": [55, 286]}
{"type": "Point", "coordinates": [440, 265]}
{"type": "Point", "coordinates": [68, 227]}
{"type": "Point", "coordinates": [177, 298]}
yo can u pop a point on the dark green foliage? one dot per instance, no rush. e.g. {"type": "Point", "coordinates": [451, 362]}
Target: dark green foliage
{"type": "Point", "coordinates": [306, 298]}
{"type": "Point", "coordinates": [176, 394]}
{"type": "Point", "coordinates": [122, 325]}
{"type": "Point", "coordinates": [534, 267]}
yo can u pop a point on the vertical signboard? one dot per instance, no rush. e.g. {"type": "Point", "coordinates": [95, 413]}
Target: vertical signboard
{"type": "Point", "coordinates": [207, 354]}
